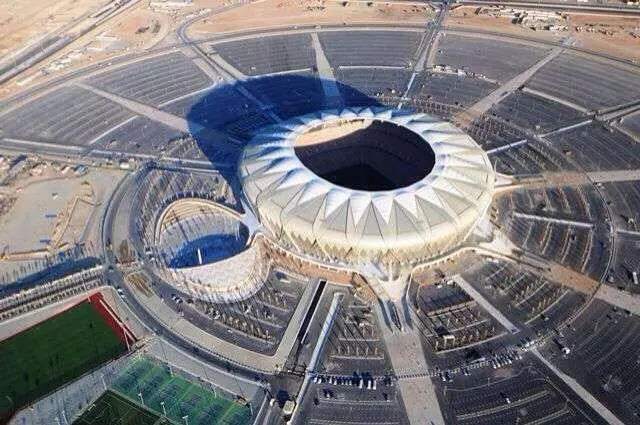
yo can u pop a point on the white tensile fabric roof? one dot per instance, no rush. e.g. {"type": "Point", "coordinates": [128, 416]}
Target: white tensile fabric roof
{"type": "Point", "coordinates": [289, 198]}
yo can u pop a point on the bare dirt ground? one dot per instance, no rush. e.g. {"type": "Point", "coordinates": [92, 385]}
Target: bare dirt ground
{"type": "Point", "coordinates": [135, 30]}
{"type": "Point", "coordinates": [275, 13]}
{"type": "Point", "coordinates": [465, 17]}
{"type": "Point", "coordinates": [139, 28]}
{"type": "Point", "coordinates": [24, 22]}
{"type": "Point", "coordinates": [56, 207]}
{"type": "Point", "coordinates": [614, 35]}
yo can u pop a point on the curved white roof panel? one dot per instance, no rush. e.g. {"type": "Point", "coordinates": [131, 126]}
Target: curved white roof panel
{"type": "Point", "coordinates": [306, 212]}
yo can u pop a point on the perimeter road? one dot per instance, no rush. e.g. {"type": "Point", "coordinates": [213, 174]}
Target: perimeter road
{"type": "Point", "coordinates": [585, 395]}
{"type": "Point", "coordinates": [484, 303]}
{"type": "Point", "coordinates": [252, 360]}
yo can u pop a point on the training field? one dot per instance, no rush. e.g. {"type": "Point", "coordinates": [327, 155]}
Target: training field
{"type": "Point", "coordinates": [113, 409]}
{"type": "Point", "coordinates": [44, 357]}
{"type": "Point", "coordinates": [180, 397]}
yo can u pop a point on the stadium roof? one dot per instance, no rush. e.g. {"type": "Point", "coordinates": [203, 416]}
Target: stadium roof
{"type": "Point", "coordinates": [290, 198]}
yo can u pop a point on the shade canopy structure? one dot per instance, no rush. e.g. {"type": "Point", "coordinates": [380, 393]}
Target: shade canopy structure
{"type": "Point", "coordinates": [429, 209]}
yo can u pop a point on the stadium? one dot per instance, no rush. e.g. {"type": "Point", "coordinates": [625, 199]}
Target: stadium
{"type": "Point", "coordinates": [367, 185]}
{"type": "Point", "coordinates": [326, 212]}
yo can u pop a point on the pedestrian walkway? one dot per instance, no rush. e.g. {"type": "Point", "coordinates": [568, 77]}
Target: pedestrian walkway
{"type": "Point", "coordinates": [407, 358]}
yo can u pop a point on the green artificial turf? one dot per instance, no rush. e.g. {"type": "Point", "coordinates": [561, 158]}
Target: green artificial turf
{"type": "Point", "coordinates": [40, 359]}
{"type": "Point", "coordinates": [113, 409]}
{"type": "Point", "coordinates": [180, 396]}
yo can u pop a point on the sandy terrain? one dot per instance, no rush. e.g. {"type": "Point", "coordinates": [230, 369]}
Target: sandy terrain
{"type": "Point", "coordinates": [622, 40]}
{"type": "Point", "coordinates": [275, 13]}
{"type": "Point", "coordinates": [614, 35]}
{"type": "Point", "coordinates": [24, 22]}
{"type": "Point", "coordinates": [465, 17]}
{"type": "Point", "coordinates": [55, 208]}
{"type": "Point", "coordinates": [136, 29]}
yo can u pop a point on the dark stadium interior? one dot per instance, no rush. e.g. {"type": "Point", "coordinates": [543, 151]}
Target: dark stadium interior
{"type": "Point", "coordinates": [366, 154]}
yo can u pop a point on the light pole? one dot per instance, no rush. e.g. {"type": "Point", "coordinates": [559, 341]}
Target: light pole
{"type": "Point", "coordinates": [164, 410]}
{"type": "Point", "coordinates": [141, 399]}
{"type": "Point", "coordinates": [186, 419]}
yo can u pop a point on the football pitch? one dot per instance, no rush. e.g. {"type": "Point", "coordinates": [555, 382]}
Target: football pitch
{"type": "Point", "coordinates": [48, 355]}
{"type": "Point", "coordinates": [113, 409]}
{"type": "Point", "coordinates": [180, 397]}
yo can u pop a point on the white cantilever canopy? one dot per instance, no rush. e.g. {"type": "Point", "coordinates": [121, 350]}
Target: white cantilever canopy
{"type": "Point", "coordinates": [427, 218]}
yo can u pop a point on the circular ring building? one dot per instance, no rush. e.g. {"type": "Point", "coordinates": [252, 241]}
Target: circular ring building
{"type": "Point", "coordinates": [367, 185]}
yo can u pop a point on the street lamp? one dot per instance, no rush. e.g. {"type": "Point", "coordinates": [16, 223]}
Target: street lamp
{"type": "Point", "coordinates": [141, 399]}
{"type": "Point", "coordinates": [164, 410]}
{"type": "Point", "coordinates": [186, 419]}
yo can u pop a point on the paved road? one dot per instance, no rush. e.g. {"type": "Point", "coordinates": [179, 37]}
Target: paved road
{"type": "Point", "coordinates": [621, 299]}
{"type": "Point", "coordinates": [503, 35]}
{"type": "Point", "coordinates": [64, 40]}
{"type": "Point", "coordinates": [570, 178]}
{"type": "Point", "coordinates": [425, 50]}
{"type": "Point", "coordinates": [150, 112]}
{"type": "Point", "coordinates": [151, 321]}
{"type": "Point", "coordinates": [555, 99]}
{"type": "Point", "coordinates": [555, 220]}
{"type": "Point", "coordinates": [171, 322]}
{"type": "Point", "coordinates": [317, 351]}
{"type": "Point", "coordinates": [565, 6]}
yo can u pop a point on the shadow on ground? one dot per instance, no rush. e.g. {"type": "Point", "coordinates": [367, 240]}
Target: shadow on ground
{"type": "Point", "coordinates": [245, 107]}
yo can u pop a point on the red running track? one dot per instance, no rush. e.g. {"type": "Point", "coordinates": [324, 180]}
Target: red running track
{"type": "Point", "coordinates": [116, 325]}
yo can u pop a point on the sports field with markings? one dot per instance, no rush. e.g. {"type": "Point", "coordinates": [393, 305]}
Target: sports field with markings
{"type": "Point", "coordinates": [113, 409]}
{"type": "Point", "coordinates": [50, 354]}
{"type": "Point", "coordinates": [181, 398]}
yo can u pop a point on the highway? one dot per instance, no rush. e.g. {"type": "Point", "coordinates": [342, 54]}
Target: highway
{"type": "Point", "coordinates": [560, 6]}
{"type": "Point", "coordinates": [62, 41]}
